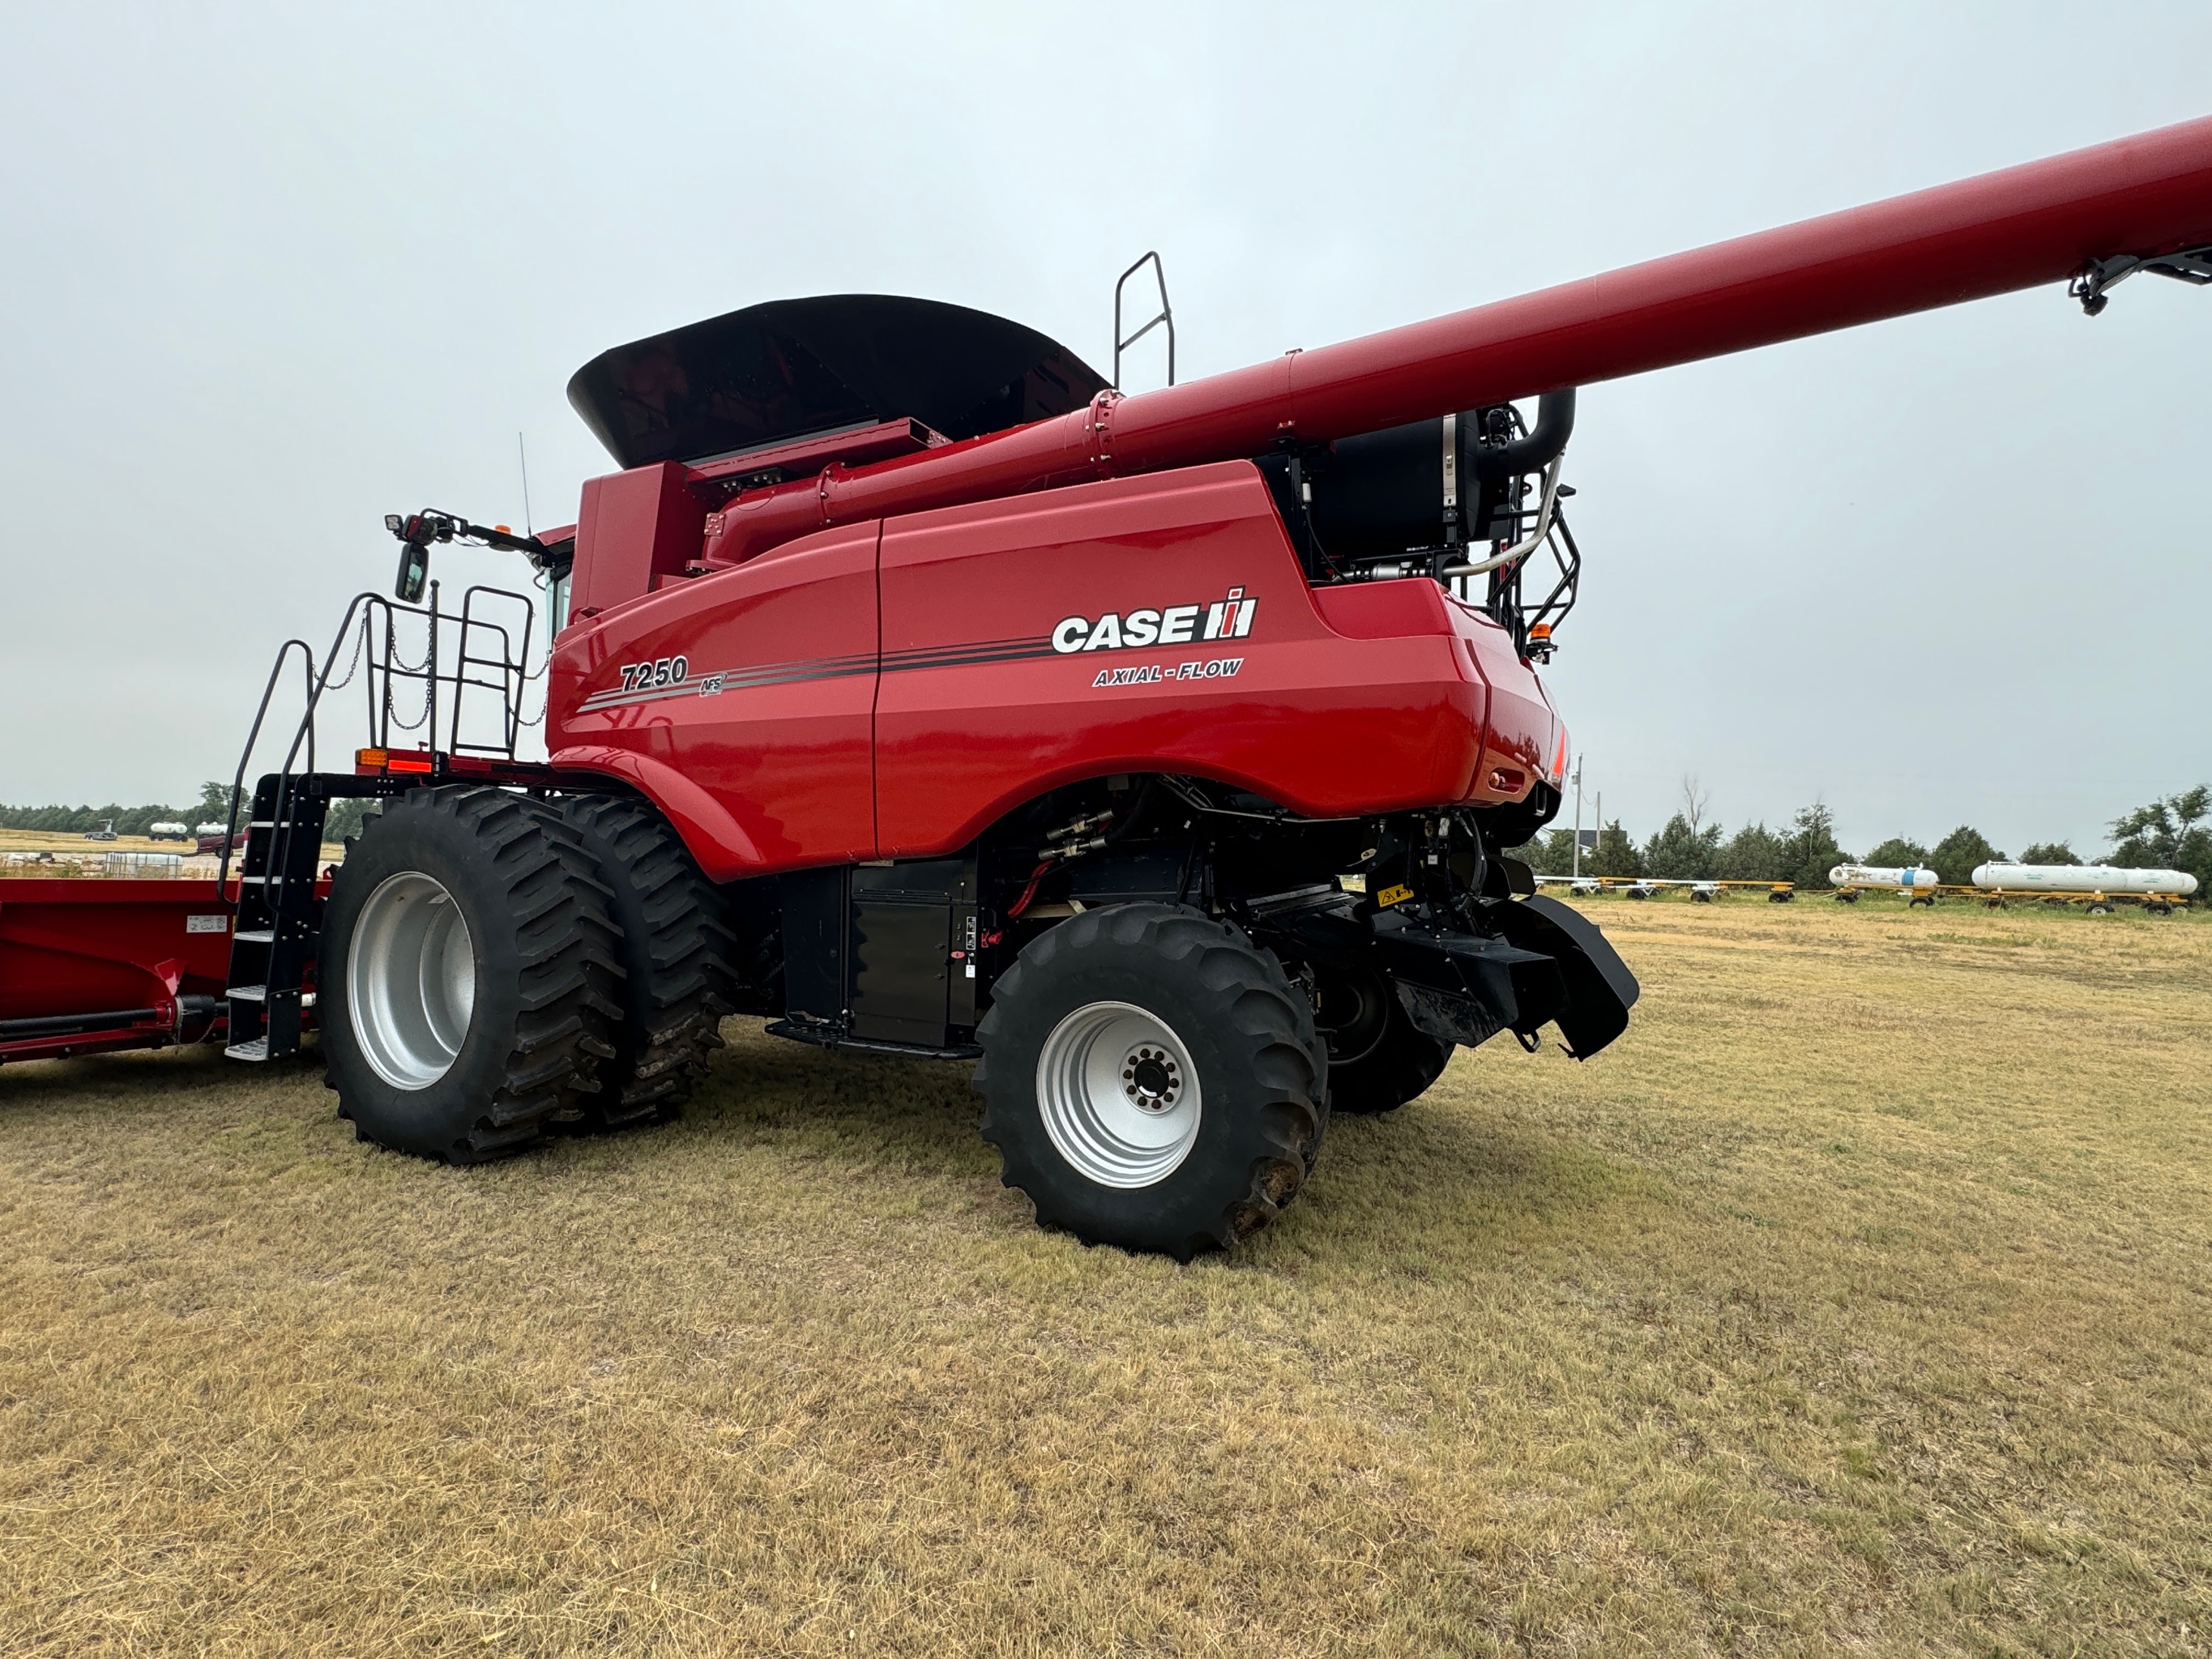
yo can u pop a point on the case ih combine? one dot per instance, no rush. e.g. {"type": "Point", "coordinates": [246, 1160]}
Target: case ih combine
{"type": "Point", "coordinates": [918, 691]}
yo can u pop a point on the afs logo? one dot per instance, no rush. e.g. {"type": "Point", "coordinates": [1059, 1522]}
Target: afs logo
{"type": "Point", "coordinates": [1175, 624]}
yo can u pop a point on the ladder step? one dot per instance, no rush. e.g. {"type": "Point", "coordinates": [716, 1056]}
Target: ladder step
{"type": "Point", "coordinates": [256, 1049]}
{"type": "Point", "coordinates": [260, 993]}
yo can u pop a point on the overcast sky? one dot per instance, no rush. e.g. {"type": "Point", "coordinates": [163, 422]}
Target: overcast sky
{"type": "Point", "coordinates": [271, 273]}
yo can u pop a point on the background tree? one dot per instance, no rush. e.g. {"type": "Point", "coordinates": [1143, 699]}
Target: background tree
{"type": "Point", "coordinates": [1752, 854]}
{"type": "Point", "coordinates": [1953, 858]}
{"type": "Point", "coordinates": [1615, 855]}
{"type": "Point", "coordinates": [1551, 854]}
{"type": "Point", "coordinates": [1897, 854]}
{"type": "Point", "coordinates": [1696, 797]}
{"type": "Point", "coordinates": [346, 818]}
{"type": "Point", "coordinates": [2169, 833]}
{"type": "Point", "coordinates": [1687, 849]}
{"type": "Point", "coordinates": [2049, 851]}
{"type": "Point", "coordinates": [1683, 852]}
{"type": "Point", "coordinates": [75, 820]}
{"type": "Point", "coordinates": [2152, 835]}
{"type": "Point", "coordinates": [1809, 850]}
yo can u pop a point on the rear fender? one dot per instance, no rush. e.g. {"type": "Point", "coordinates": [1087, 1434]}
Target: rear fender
{"type": "Point", "coordinates": [1599, 990]}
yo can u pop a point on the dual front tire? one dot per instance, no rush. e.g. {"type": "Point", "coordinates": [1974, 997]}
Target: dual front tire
{"type": "Point", "coordinates": [495, 967]}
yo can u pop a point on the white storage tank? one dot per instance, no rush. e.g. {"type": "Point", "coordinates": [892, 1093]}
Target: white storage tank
{"type": "Point", "coordinates": [1911, 879]}
{"type": "Point", "coordinates": [2082, 878]}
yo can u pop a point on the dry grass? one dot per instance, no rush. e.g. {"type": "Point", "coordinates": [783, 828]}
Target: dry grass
{"type": "Point", "coordinates": [74, 856]}
{"type": "Point", "coordinates": [1857, 1301]}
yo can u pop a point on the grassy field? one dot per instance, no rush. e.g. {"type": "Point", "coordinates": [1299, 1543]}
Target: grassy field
{"type": "Point", "coordinates": [66, 846]}
{"type": "Point", "coordinates": [1856, 1301]}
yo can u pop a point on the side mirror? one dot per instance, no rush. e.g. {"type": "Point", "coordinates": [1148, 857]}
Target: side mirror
{"type": "Point", "coordinates": [414, 572]}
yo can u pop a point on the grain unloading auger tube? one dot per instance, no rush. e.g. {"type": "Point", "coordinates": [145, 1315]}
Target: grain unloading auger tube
{"type": "Point", "coordinates": [918, 692]}
{"type": "Point", "coordinates": [2091, 218]}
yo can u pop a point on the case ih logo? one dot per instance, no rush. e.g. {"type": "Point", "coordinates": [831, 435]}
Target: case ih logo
{"type": "Point", "coordinates": [1178, 624]}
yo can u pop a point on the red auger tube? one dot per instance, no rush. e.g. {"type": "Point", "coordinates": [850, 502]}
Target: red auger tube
{"type": "Point", "coordinates": [1980, 237]}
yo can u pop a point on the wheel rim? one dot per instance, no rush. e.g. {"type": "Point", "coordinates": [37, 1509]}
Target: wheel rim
{"type": "Point", "coordinates": [1351, 1016]}
{"type": "Point", "coordinates": [1119, 1095]}
{"type": "Point", "coordinates": [410, 981]}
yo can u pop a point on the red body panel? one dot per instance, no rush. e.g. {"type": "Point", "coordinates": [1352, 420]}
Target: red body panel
{"type": "Point", "coordinates": [1341, 703]}
{"type": "Point", "coordinates": [634, 529]}
{"type": "Point", "coordinates": [773, 769]}
{"type": "Point", "coordinates": [92, 946]}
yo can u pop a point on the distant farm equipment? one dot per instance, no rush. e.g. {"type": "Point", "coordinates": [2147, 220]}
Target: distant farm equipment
{"type": "Point", "coordinates": [1701, 889]}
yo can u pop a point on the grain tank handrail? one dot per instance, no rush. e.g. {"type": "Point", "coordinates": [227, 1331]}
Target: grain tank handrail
{"type": "Point", "coordinates": [2045, 222]}
{"type": "Point", "coordinates": [380, 671]}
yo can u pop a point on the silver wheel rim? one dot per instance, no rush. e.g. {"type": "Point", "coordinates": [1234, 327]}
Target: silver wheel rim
{"type": "Point", "coordinates": [410, 981]}
{"type": "Point", "coordinates": [1118, 1094]}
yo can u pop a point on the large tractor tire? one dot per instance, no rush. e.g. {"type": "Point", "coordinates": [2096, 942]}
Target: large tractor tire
{"type": "Point", "coordinates": [471, 985]}
{"type": "Point", "coordinates": [676, 955]}
{"type": "Point", "coordinates": [1378, 1059]}
{"type": "Point", "coordinates": [1152, 1080]}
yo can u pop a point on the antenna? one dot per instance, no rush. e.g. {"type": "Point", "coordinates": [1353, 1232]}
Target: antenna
{"type": "Point", "coordinates": [1166, 314]}
{"type": "Point", "coordinates": [523, 456]}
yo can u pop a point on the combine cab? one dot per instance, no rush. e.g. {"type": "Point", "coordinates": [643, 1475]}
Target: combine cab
{"type": "Point", "coordinates": [917, 691]}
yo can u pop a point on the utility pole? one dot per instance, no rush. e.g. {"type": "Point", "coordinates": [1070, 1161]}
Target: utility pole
{"type": "Point", "coordinates": [1578, 816]}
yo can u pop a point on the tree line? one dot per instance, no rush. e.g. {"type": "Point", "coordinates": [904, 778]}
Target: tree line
{"type": "Point", "coordinates": [212, 807]}
{"type": "Point", "coordinates": [2170, 833]}
{"type": "Point", "coordinates": [2173, 832]}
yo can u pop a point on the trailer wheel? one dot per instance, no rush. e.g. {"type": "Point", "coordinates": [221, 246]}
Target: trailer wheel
{"type": "Point", "coordinates": [675, 952]}
{"type": "Point", "coordinates": [1152, 1080]}
{"type": "Point", "coordinates": [1378, 1059]}
{"type": "Point", "coordinates": [470, 983]}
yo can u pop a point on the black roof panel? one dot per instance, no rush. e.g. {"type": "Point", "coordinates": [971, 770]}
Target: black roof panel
{"type": "Point", "coordinates": [782, 370]}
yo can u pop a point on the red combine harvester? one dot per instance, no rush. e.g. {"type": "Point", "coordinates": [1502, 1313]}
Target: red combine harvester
{"type": "Point", "coordinates": [913, 688]}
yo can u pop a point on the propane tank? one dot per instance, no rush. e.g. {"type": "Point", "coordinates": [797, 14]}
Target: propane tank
{"type": "Point", "coordinates": [2082, 878]}
{"type": "Point", "coordinates": [1910, 879]}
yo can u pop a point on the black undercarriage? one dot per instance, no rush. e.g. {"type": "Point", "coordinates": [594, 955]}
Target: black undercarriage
{"type": "Point", "coordinates": [1419, 917]}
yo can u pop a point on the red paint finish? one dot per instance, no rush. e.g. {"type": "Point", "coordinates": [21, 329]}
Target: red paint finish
{"type": "Point", "coordinates": [1339, 703]}
{"type": "Point", "coordinates": [773, 769]}
{"type": "Point", "coordinates": [1993, 235]}
{"type": "Point", "coordinates": [635, 529]}
{"type": "Point", "coordinates": [95, 946]}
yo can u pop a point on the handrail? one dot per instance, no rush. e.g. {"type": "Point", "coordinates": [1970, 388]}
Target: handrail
{"type": "Point", "coordinates": [363, 611]}
{"type": "Point", "coordinates": [1166, 314]}
{"type": "Point", "coordinates": [238, 779]}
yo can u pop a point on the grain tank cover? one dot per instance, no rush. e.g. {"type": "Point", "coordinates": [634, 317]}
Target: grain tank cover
{"type": "Point", "coordinates": [790, 367]}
